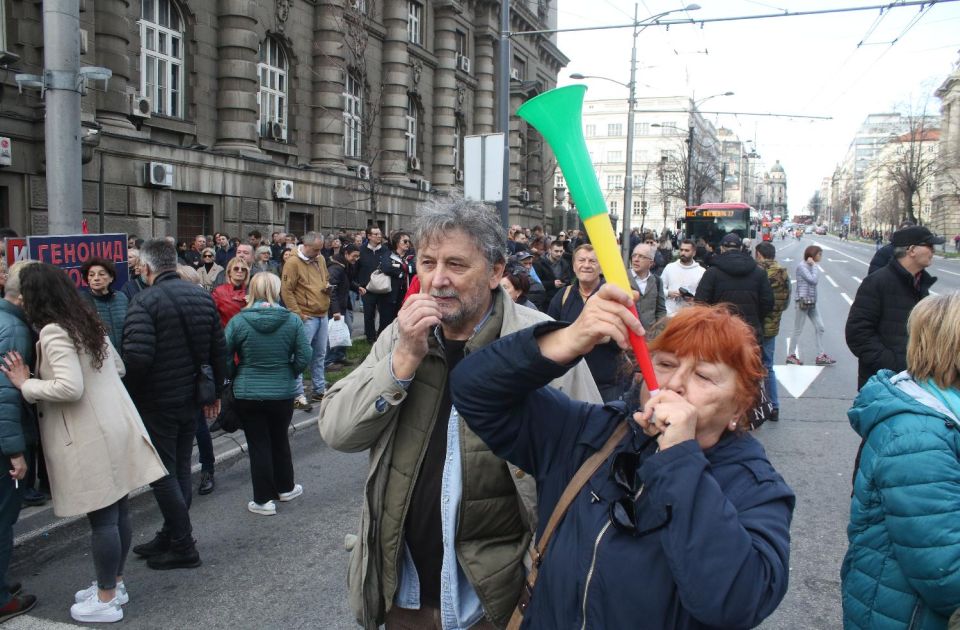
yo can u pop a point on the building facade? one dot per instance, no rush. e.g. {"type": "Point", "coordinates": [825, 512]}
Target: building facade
{"type": "Point", "coordinates": [946, 197]}
{"type": "Point", "coordinates": [289, 115]}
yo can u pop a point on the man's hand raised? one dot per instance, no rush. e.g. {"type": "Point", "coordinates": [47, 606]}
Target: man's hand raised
{"type": "Point", "coordinates": [415, 320]}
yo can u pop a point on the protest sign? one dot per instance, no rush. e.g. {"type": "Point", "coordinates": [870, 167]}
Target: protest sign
{"type": "Point", "coordinates": [71, 251]}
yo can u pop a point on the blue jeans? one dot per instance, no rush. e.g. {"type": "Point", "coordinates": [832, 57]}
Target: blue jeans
{"type": "Point", "coordinates": [770, 381]}
{"type": "Point", "coordinates": [316, 329]}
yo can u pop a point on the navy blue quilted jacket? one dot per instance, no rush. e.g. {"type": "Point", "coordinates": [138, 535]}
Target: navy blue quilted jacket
{"type": "Point", "coordinates": [719, 544]}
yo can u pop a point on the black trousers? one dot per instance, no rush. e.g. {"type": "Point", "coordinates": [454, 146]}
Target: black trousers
{"type": "Point", "coordinates": [373, 303]}
{"type": "Point", "coordinates": [265, 423]}
{"type": "Point", "coordinates": [172, 432]}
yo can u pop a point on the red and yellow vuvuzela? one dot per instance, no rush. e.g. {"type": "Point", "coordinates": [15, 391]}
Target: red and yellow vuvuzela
{"type": "Point", "coordinates": [557, 115]}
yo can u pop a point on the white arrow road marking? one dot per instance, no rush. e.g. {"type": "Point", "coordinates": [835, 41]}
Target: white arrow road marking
{"type": "Point", "coordinates": [787, 259]}
{"type": "Point", "coordinates": [847, 298]}
{"type": "Point", "coordinates": [797, 378]}
{"type": "Point", "coordinates": [830, 280]}
{"type": "Point", "coordinates": [857, 279]}
{"type": "Point", "coordinates": [839, 261]}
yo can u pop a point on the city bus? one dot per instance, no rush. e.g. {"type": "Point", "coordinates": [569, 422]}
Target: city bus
{"type": "Point", "coordinates": [711, 221]}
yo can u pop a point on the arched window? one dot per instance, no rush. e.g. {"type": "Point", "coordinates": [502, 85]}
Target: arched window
{"type": "Point", "coordinates": [352, 116]}
{"type": "Point", "coordinates": [161, 56]}
{"type": "Point", "coordinates": [273, 70]}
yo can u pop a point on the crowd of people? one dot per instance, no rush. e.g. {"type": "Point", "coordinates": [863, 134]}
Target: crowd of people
{"type": "Point", "coordinates": [510, 484]}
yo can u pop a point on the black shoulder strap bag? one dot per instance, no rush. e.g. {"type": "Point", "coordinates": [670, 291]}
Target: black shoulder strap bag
{"type": "Point", "coordinates": [205, 387]}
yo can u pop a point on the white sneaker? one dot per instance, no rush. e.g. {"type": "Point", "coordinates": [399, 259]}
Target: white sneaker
{"type": "Point", "coordinates": [293, 494]}
{"type": "Point", "coordinates": [94, 611]}
{"type": "Point", "coordinates": [91, 591]}
{"type": "Point", "coordinates": [267, 509]}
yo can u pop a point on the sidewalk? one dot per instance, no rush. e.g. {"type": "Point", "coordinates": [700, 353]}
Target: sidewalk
{"type": "Point", "coordinates": [227, 448]}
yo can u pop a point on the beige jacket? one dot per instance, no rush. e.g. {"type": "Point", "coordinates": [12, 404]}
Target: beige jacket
{"type": "Point", "coordinates": [350, 422]}
{"type": "Point", "coordinates": [94, 443]}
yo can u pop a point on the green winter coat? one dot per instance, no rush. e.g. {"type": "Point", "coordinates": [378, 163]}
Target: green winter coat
{"type": "Point", "coordinates": [17, 423]}
{"type": "Point", "coordinates": [112, 309]}
{"type": "Point", "coordinates": [273, 350]}
{"type": "Point", "coordinates": [780, 283]}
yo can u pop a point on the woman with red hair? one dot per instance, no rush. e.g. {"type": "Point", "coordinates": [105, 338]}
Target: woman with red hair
{"type": "Point", "coordinates": [683, 522]}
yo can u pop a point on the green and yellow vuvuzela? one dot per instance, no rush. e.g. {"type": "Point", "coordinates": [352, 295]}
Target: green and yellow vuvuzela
{"type": "Point", "coordinates": [557, 115]}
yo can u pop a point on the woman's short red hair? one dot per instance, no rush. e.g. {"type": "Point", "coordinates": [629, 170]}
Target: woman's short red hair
{"type": "Point", "coordinates": [715, 335]}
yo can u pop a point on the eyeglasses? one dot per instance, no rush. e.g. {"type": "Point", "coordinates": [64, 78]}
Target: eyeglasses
{"type": "Point", "coordinates": [625, 471]}
{"type": "Point", "coordinates": [405, 241]}
{"type": "Point", "coordinates": [208, 255]}
{"type": "Point", "coordinates": [636, 256]}
{"type": "Point", "coordinates": [243, 269]}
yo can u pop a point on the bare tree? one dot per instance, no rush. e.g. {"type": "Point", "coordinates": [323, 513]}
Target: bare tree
{"type": "Point", "coordinates": [913, 165]}
{"type": "Point", "coordinates": [704, 171]}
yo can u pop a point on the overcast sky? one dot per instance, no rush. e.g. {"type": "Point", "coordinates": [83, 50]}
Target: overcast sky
{"type": "Point", "coordinates": [789, 65]}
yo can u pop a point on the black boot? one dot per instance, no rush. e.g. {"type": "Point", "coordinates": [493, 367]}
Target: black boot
{"type": "Point", "coordinates": [180, 556]}
{"type": "Point", "coordinates": [159, 544]}
{"type": "Point", "coordinates": [206, 483]}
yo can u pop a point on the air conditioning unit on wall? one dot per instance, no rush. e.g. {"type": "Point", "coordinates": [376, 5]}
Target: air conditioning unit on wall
{"type": "Point", "coordinates": [283, 189]}
{"type": "Point", "coordinates": [524, 196]}
{"type": "Point", "coordinates": [423, 185]}
{"type": "Point", "coordinates": [464, 64]}
{"type": "Point", "coordinates": [273, 130]}
{"type": "Point", "coordinates": [514, 74]}
{"type": "Point", "coordinates": [363, 171]}
{"type": "Point", "coordinates": [158, 174]}
{"type": "Point", "coordinates": [413, 163]}
{"type": "Point", "coordinates": [458, 175]}
{"type": "Point", "coordinates": [140, 106]}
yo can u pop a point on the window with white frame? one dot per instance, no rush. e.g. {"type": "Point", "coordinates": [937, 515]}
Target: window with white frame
{"type": "Point", "coordinates": [413, 120]}
{"type": "Point", "coordinates": [641, 129]}
{"type": "Point", "coordinates": [273, 72]}
{"type": "Point", "coordinates": [637, 207]}
{"type": "Point", "coordinates": [613, 206]}
{"type": "Point", "coordinates": [591, 130]}
{"type": "Point", "coordinates": [614, 156]}
{"type": "Point", "coordinates": [615, 129]}
{"type": "Point", "coordinates": [614, 181]}
{"type": "Point", "coordinates": [352, 116]}
{"type": "Point", "coordinates": [414, 22]}
{"type": "Point", "coordinates": [161, 56]}
{"type": "Point", "coordinates": [461, 44]}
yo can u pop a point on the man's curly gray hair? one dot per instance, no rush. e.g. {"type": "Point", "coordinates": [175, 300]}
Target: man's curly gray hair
{"type": "Point", "coordinates": [477, 220]}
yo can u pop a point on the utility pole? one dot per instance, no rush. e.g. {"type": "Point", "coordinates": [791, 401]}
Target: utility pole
{"type": "Point", "coordinates": [503, 108]}
{"type": "Point", "coordinates": [61, 60]}
{"type": "Point", "coordinates": [690, 160]}
{"type": "Point", "coordinates": [628, 185]}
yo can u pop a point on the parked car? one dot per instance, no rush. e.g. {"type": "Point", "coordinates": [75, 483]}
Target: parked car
{"type": "Point", "coordinates": [808, 230]}
{"type": "Point", "coordinates": [821, 230]}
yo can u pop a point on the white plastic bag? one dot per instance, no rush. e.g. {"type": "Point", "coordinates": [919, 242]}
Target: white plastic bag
{"type": "Point", "coordinates": [339, 333]}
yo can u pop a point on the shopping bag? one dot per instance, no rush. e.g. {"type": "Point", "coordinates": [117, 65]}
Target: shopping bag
{"type": "Point", "coordinates": [339, 333]}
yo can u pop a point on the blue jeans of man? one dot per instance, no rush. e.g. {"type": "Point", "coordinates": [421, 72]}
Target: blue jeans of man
{"type": "Point", "coordinates": [770, 381]}
{"type": "Point", "coordinates": [316, 329]}
{"type": "Point", "coordinates": [9, 512]}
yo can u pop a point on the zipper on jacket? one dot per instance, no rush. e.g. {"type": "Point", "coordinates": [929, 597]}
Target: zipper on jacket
{"type": "Point", "coordinates": [593, 565]}
{"type": "Point", "coordinates": [915, 617]}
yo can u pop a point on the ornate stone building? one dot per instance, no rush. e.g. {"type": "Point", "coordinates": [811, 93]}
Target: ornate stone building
{"type": "Point", "coordinates": [276, 114]}
{"type": "Point", "coordinates": [946, 196]}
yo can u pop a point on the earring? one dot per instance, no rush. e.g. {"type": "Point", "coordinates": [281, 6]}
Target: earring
{"type": "Point", "coordinates": [733, 424]}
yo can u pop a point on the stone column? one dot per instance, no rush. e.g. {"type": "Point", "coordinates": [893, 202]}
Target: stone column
{"type": "Point", "coordinates": [329, 71]}
{"type": "Point", "coordinates": [396, 83]}
{"type": "Point", "coordinates": [112, 38]}
{"type": "Point", "coordinates": [484, 63]}
{"type": "Point", "coordinates": [444, 97]}
{"type": "Point", "coordinates": [237, 82]}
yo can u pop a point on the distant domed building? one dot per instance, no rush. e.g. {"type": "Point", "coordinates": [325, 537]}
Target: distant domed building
{"type": "Point", "coordinates": [776, 185]}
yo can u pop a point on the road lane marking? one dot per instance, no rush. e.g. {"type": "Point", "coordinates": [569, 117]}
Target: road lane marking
{"type": "Point", "coordinates": [796, 379]}
{"type": "Point", "coordinates": [830, 280]}
{"type": "Point", "coordinates": [953, 273]}
{"type": "Point", "coordinates": [847, 298]}
{"type": "Point", "coordinates": [934, 293]}
{"type": "Point", "coordinates": [839, 261]}
{"type": "Point", "coordinates": [857, 279]}
{"type": "Point", "coordinates": [832, 249]}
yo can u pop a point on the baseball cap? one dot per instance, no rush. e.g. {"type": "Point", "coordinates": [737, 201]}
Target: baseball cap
{"type": "Point", "coordinates": [523, 255]}
{"type": "Point", "coordinates": [730, 240]}
{"type": "Point", "coordinates": [915, 235]}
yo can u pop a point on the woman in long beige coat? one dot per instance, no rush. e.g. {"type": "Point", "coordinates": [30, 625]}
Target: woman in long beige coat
{"type": "Point", "coordinates": [95, 446]}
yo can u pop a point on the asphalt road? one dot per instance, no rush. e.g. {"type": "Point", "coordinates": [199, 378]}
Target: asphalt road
{"type": "Point", "coordinates": [288, 571]}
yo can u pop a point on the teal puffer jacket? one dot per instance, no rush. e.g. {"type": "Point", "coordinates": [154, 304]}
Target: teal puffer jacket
{"type": "Point", "coordinates": [112, 309]}
{"type": "Point", "coordinates": [17, 424]}
{"type": "Point", "coordinates": [902, 568]}
{"type": "Point", "coordinates": [273, 350]}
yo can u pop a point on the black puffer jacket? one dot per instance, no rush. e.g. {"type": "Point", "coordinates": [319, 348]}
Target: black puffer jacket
{"type": "Point", "coordinates": [736, 279]}
{"type": "Point", "coordinates": [160, 368]}
{"type": "Point", "coordinates": [345, 281]}
{"type": "Point", "coordinates": [877, 324]}
{"type": "Point", "coordinates": [370, 261]}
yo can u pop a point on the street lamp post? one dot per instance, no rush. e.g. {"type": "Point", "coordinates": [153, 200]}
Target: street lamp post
{"type": "Point", "coordinates": [693, 111]}
{"type": "Point", "coordinates": [631, 106]}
